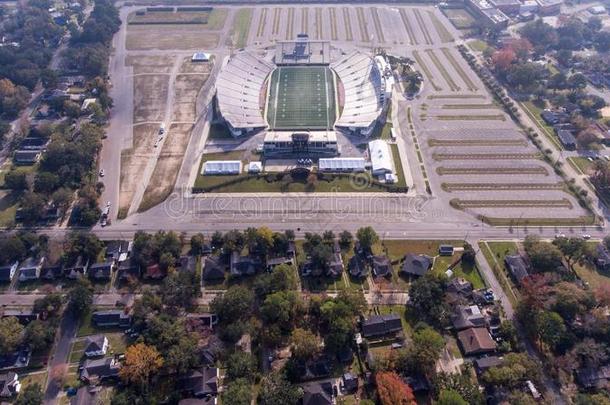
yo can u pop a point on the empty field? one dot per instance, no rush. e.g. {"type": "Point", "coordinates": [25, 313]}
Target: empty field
{"type": "Point", "coordinates": [186, 89]}
{"type": "Point", "coordinates": [460, 18]}
{"type": "Point", "coordinates": [166, 37]}
{"type": "Point", "coordinates": [213, 20]}
{"type": "Point", "coordinates": [195, 67]}
{"type": "Point", "coordinates": [149, 97]}
{"type": "Point", "coordinates": [134, 161]}
{"type": "Point", "coordinates": [241, 27]}
{"type": "Point", "coordinates": [150, 64]}
{"type": "Point", "coordinates": [168, 165]}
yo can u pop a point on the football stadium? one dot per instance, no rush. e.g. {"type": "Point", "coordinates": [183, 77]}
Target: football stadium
{"type": "Point", "coordinates": [301, 97]}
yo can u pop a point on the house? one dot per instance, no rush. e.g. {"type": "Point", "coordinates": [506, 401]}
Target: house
{"type": "Point", "coordinates": [205, 319]}
{"type": "Point", "coordinates": [467, 316]}
{"type": "Point", "coordinates": [186, 263]}
{"type": "Point", "coordinates": [24, 316]}
{"type": "Point", "coordinates": [77, 268]}
{"type": "Point", "coordinates": [213, 269]}
{"type": "Point", "coordinates": [96, 346]}
{"type": "Point", "coordinates": [276, 261]}
{"type": "Point", "coordinates": [567, 139]}
{"type": "Point", "coordinates": [381, 325]}
{"type": "Point", "coordinates": [357, 267]}
{"type": "Point", "coordinates": [30, 269]}
{"type": "Point", "coordinates": [317, 394]}
{"type": "Point", "coordinates": [517, 267]}
{"type": "Point", "coordinates": [101, 271]}
{"type": "Point", "coordinates": [382, 267]}
{"type": "Point", "coordinates": [9, 384]}
{"type": "Point", "coordinates": [415, 265]}
{"type": "Point", "coordinates": [200, 383]}
{"type": "Point", "coordinates": [128, 270]}
{"type": "Point", "coordinates": [591, 377]}
{"type": "Point", "coordinates": [243, 265]}
{"type": "Point", "coordinates": [94, 371]}
{"type": "Point", "coordinates": [350, 382]}
{"type": "Point", "coordinates": [603, 257]}
{"type": "Point", "coordinates": [460, 286]}
{"type": "Point", "coordinates": [51, 271]}
{"type": "Point", "coordinates": [7, 272]}
{"type": "Point", "coordinates": [445, 250]}
{"type": "Point", "coordinates": [111, 318]}
{"type": "Point", "coordinates": [476, 341]}
{"type": "Point", "coordinates": [335, 265]}
{"type": "Point", "coordinates": [154, 272]}
{"type": "Point", "coordinates": [26, 157]}
{"type": "Point", "coordinates": [15, 360]}
{"type": "Point", "coordinates": [549, 117]}
{"type": "Point", "coordinates": [485, 363]}
{"type": "Point", "coordinates": [117, 250]}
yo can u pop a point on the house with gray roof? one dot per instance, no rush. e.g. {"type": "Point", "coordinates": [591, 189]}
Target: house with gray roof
{"type": "Point", "coordinates": [415, 265]}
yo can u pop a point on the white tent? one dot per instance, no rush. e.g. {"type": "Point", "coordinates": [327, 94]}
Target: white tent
{"type": "Point", "coordinates": [212, 167]}
{"type": "Point", "coordinates": [255, 167]}
{"type": "Point", "coordinates": [353, 164]}
{"type": "Point", "coordinates": [381, 157]}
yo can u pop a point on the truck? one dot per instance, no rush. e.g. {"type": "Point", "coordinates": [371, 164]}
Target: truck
{"type": "Point", "coordinates": [162, 128]}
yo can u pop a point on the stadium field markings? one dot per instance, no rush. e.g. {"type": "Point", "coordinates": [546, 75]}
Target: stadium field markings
{"type": "Point", "coordinates": [290, 27]}
{"type": "Point", "coordinates": [491, 170]}
{"type": "Point", "coordinates": [422, 27]}
{"type": "Point", "coordinates": [441, 68]}
{"type": "Point", "coordinates": [347, 22]}
{"type": "Point", "coordinates": [485, 156]}
{"type": "Point", "coordinates": [426, 70]}
{"type": "Point", "coordinates": [449, 187]}
{"type": "Point", "coordinates": [262, 23]}
{"type": "Point", "coordinates": [333, 23]}
{"type": "Point", "coordinates": [377, 24]}
{"type": "Point", "coordinates": [319, 33]}
{"type": "Point", "coordinates": [440, 28]}
{"type": "Point", "coordinates": [482, 117]}
{"type": "Point", "coordinates": [405, 22]}
{"type": "Point", "coordinates": [304, 20]}
{"type": "Point", "coordinates": [364, 30]}
{"type": "Point", "coordinates": [277, 13]}
{"type": "Point", "coordinates": [469, 83]}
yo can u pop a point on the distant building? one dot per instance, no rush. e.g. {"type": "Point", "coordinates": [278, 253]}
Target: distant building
{"type": "Point", "coordinates": [485, 363]}
{"type": "Point", "coordinates": [111, 318]}
{"type": "Point", "coordinates": [382, 161]}
{"type": "Point", "coordinates": [213, 269]}
{"type": "Point", "coordinates": [26, 157]}
{"type": "Point", "coordinates": [549, 7]}
{"type": "Point", "coordinates": [507, 6]}
{"type": "Point", "coordinates": [101, 271]}
{"type": "Point", "coordinates": [467, 316]}
{"type": "Point", "coordinates": [357, 267]}
{"type": "Point", "coordinates": [200, 383]}
{"type": "Point", "coordinates": [445, 250]}
{"type": "Point", "coordinates": [476, 341]}
{"type": "Point", "coordinates": [95, 371]}
{"type": "Point", "coordinates": [30, 269]}
{"type": "Point", "coordinates": [517, 267]}
{"type": "Point", "coordinates": [300, 143]}
{"type": "Point", "coordinates": [567, 139]}
{"type": "Point", "coordinates": [382, 266]}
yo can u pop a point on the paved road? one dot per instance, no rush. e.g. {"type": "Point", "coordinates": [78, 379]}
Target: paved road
{"type": "Point", "coordinates": [67, 331]}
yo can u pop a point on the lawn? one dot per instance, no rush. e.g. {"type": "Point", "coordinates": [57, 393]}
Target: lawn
{"type": "Point", "coordinates": [478, 45]}
{"type": "Point", "coordinates": [77, 351]}
{"type": "Point", "coordinates": [534, 112]}
{"type": "Point", "coordinates": [494, 253]}
{"type": "Point", "coordinates": [460, 18]}
{"type": "Point", "coordinates": [582, 164]}
{"type": "Point", "coordinates": [39, 377]}
{"type": "Point", "coordinates": [241, 27]}
{"type": "Point", "coordinates": [9, 202]}
{"type": "Point", "coordinates": [592, 275]}
{"type": "Point", "coordinates": [402, 182]}
{"type": "Point", "coordinates": [117, 342]}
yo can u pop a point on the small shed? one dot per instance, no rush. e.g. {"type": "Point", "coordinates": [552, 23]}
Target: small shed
{"type": "Point", "coordinates": [200, 57]}
{"type": "Point", "coordinates": [255, 167]}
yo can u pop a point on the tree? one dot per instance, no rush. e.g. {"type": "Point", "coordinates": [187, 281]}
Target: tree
{"type": "Point", "coordinates": [345, 240]}
{"type": "Point", "coordinates": [450, 397]}
{"type": "Point", "coordinates": [12, 249]}
{"type": "Point", "coordinates": [282, 278]}
{"type": "Point", "coordinates": [571, 248]}
{"type": "Point", "coordinates": [367, 237]}
{"type": "Point", "coordinates": [304, 344]}
{"type": "Point", "coordinates": [393, 390]}
{"type": "Point", "coordinates": [31, 395]}
{"type": "Point", "coordinates": [238, 392]}
{"type": "Point", "coordinates": [551, 328]}
{"type": "Point", "coordinates": [39, 335]}
{"type": "Point", "coordinates": [276, 390]}
{"type": "Point", "coordinates": [543, 256]}
{"type": "Point", "coordinates": [241, 365]}
{"type": "Point", "coordinates": [16, 180]}
{"type": "Point", "coordinates": [49, 305]}
{"type": "Point", "coordinates": [468, 255]}
{"type": "Point", "coordinates": [46, 182]}
{"type": "Point", "coordinates": [180, 289]}
{"type": "Point", "coordinates": [423, 354]}
{"type": "Point", "coordinates": [141, 362]}
{"type": "Point", "coordinates": [197, 243]}
{"type": "Point", "coordinates": [84, 244]}
{"type": "Point", "coordinates": [426, 298]}
{"type": "Point", "coordinates": [183, 354]}
{"type": "Point", "coordinates": [11, 334]}
{"type": "Point", "coordinates": [516, 368]}
{"type": "Point", "coordinates": [280, 308]}
{"type": "Point", "coordinates": [461, 384]}
{"type": "Point", "coordinates": [32, 207]}
{"type": "Point", "coordinates": [80, 297]}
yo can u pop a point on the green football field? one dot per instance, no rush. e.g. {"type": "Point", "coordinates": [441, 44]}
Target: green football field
{"type": "Point", "coordinates": [301, 97]}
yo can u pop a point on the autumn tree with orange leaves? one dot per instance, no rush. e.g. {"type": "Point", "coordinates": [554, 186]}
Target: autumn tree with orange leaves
{"type": "Point", "coordinates": [392, 390]}
{"type": "Point", "coordinates": [141, 363]}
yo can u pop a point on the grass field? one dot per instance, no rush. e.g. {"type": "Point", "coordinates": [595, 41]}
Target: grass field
{"type": "Point", "coordinates": [460, 18]}
{"type": "Point", "coordinates": [241, 27]}
{"type": "Point", "coordinates": [169, 37]}
{"type": "Point", "coordinates": [582, 164]}
{"type": "Point", "coordinates": [301, 98]}
{"type": "Point", "coordinates": [213, 20]}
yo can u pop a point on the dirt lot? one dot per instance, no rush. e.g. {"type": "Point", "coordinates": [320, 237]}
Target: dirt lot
{"type": "Point", "coordinates": [195, 67]}
{"type": "Point", "coordinates": [150, 95]}
{"type": "Point", "coordinates": [150, 64]}
{"type": "Point", "coordinates": [134, 160]}
{"type": "Point", "coordinates": [186, 88]}
{"type": "Point", "coordinates": [168, 165]}
{"type": "Point", "coordinates": [165, 37]}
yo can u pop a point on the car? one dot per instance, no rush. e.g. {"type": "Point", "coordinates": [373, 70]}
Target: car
{"type": "Point", "coordinates": [590, 159]}
{"type": "Point", "coordinates": [586, 236]}
{"type": "Point", "coordinates": [102, 173]}
{"type": "Point", "coordinates": [104, 222]}
{"type": "Point", "coordinates": [107, 203]}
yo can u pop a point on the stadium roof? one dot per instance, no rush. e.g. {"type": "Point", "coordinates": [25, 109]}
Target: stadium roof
{"type": "Point", "coordinates": [342, 164]}
{"type": "Point", "coordinates": [221, 167]}
{"type": "Point", "coordinates": [238, 90]}
{"type": "Point", "coordinates": [363, 90]}
{"type": "Point", "coordinates": [381, 157]}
